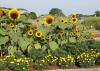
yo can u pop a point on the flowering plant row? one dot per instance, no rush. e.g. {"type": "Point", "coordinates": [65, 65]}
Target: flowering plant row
{"type": "Point", "coordinates": [47, 40]}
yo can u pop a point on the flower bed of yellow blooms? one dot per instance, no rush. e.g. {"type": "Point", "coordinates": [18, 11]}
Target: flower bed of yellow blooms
{"type": "Point", "coordinates": [45, 41]}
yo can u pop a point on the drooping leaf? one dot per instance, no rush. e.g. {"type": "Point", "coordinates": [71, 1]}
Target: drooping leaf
{"type": "Point", "coordinates": [24, 42]}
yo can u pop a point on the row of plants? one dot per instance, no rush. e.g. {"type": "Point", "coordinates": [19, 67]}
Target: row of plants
{"type": "Point", "coordinates": [84, 59]}
{"type": "Point", "coordinates": [44, 41]}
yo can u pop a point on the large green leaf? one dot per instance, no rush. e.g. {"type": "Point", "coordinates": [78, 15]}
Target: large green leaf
{"type": "Point", "coordinates": [63, 26]}
{"type": "Point", "coordinates": [43, 30]}
{"type": "Point", "coordinates": [24, 42]}
{"type": "Point", "coordinates": [3, 31]}
{"type": "Point", "coordinates": [53, 45]}
{"type": "Point", "coordinates": [29, 48]}
{"type": "Point", "coordinates": [15, 35]}
{"type": "Point", "coordinates": [4, 40]}
{"type": "Point", "coordinates": [72, 40]}
{"type": "Point", "coordinates": [37, 46]}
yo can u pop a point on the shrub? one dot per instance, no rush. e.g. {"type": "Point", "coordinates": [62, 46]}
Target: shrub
{"type": "Point", "coordinates": [40, 64]}
{"type": "Point", "coordinates": [50, 59]}
{"type": "Point", "coordinates": [98, 58]}
{"type": "Point", "coordinates": [20, 64]}
{"type": "Point", "coordinates": [86, 59]}
{"type": "Point", "coordinates": [36, 54]}
{"type": "Point", "coordinates": [2, 64]}
{"type": "Point", "coordinates": [97, 26]}
{"type": "Point", "coordinates": [66, 62]}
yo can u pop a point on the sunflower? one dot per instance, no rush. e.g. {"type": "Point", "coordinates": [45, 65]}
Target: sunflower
{"type": "Point", "coordinates": [1, 12]}
{"type": "Point", "coordinates": [14, 14]}
{"type": "Point", "coordinates": [73, 16]}
{"type": "Point", "coordinates": [38, 34]}
{"type": "Point", "coordinates": [74, 20]}
{"type": "Point", "coordinates": [61, 32]}
{"type": "Point", "coordinates": [63, 20]}
{"type": "Point", "coordinates": [37, 20]}
{"type": "Point", "coordinates": [11, 25]}
{"type": "Point", "coordinates": [71, 34]}
{"type": "Point", "coordinates": [93, 34]}
{"type": "Point", "coordinates": [30, 32]}
{"type": "Point", "coordinates": [49, 20]}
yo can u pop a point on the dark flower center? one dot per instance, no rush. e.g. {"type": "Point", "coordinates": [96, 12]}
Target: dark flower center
{"type": "Point", "coordinates": [73, 16]}
{"type": "Point", "coordinates": [74, 19]}
{"type": "Point", "coordinates": [49, 21]}
{"type": "Point", "coordinates": [14, 15]}
{"type": "Point", "coordinates": [38, 34]}
{"type": "Point", "coordinates": [62, 20]}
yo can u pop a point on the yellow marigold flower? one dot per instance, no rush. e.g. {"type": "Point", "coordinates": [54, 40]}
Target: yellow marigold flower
{"type": "Point", "coordinates": [12, 62]}
{"type": "Point", "coordinates": [1, 59]}
{"type": "Point", "coordinates": [14, 14]}
{"type": "Point", "coordinates": [18, 60]}
{"type": "Point", "coordinates": [30, 32]}
{"type": "Point", "coordinates": [38, 34]}
{"type": "Point", "coordinates": [48, 20]}
{"type": "Point", "coordinates": [8, 56]}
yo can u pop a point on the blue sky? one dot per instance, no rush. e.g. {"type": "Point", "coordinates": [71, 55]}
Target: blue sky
{"type": "Point", "coordinates": [43, 6]}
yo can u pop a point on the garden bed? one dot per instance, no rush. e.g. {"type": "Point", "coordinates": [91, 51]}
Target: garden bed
{"type": "Point", "coordinates": [46, 43]}
{"type": "Point", "coordinates": [55, 68]}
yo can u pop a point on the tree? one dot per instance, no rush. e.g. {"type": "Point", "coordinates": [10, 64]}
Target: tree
{"type": "Point", "coordinates": [33, 15]}
{"type": "Point", "coordinates": [97, 13]}
{"type": "Point", "coordinates": [56, 12]}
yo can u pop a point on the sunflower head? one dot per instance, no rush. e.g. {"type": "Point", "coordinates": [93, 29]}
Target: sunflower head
{"type": "Point", "coordinates": [49, 20]}
{"type": "Point", "coordinates": [37, 20]}
{"type": "Point", "coordinates": [30, 32]}
{"type": "Point", "coordinates": [11, 25]}
{"type": "Point", "coordinates": [74, 20]}
{"type": "Point", "coordinates": [73, 16]}
{"type": "Point", "coordinates": [62, 32]}
{"type": "Point", "coordinates": [93, 34]}
{"type": "Point", "coordinates": [38, 34]}
{"type": "Point", "coordinates": [14, 14]}
{"type": "Point", "coordinates": [1, 12]}
{"type": "Point", "coordinates": [63, 20]}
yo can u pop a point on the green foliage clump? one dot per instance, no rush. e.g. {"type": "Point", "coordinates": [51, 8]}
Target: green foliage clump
{"type": "Point", "coordinates": [86, 59]}
{"type": "Point", "coordinates": [66, 62]}
{"type": "Point", "coordinates": [2, 64]}
{"type": "Point", "coordinates": [92, 22]}
{"type": "Point", "coordinates": [40, 64]}
{"type": "Point", "coordinates": [56, 12]}
{"type": "Point", "coordinates": [98, 58]}
{"type": "Point", "coordinates": [20, 64]}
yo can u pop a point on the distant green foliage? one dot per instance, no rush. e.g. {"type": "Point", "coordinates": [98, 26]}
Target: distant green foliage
{"type": "Point", "coordinates": [56, 11]}
{"type": "Point", "coordinates": [92, 22]}
{"type": "Point", "coordinates": [97, 13]}
{"type": "Point", "coordinates": [32, 15]}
